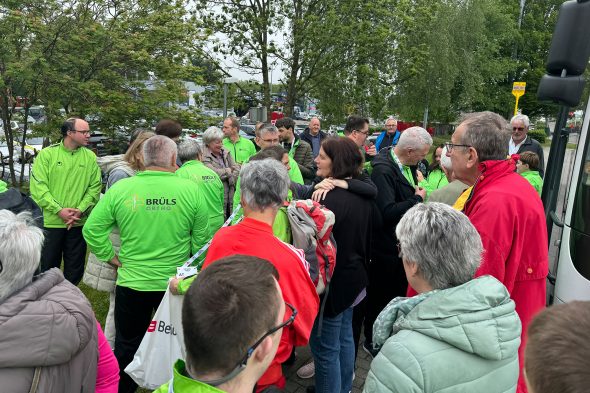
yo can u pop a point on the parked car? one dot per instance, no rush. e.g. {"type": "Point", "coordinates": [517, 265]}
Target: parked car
{"type": "Point", "coordinates": [249, 130]}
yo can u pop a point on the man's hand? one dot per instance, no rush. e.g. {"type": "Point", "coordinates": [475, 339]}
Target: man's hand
{"type": "Point", "coordinates": [420, 191]}
{"type": "Point", "coordinates": [114, 262]}
{"type": "Point", "coordinates": [372, 150]}
{"type": "Point", "coordinates": [75, 217]}
{"type": "Point", "coordinates": [420, 176]}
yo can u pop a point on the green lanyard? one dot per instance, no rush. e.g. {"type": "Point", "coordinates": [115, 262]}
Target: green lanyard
{"type": "Point", "coordinates": [405, 170]}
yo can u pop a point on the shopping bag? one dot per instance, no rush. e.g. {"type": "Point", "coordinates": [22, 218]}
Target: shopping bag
{"type": "Point", "coordinates": [161, 346]}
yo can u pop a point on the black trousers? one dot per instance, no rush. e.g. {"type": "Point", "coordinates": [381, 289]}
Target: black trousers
{"type": "Point", "coordinates": [133, 314]}
{"type": "Point", "coordinates": [387, 280]}
{"type": "Point", "coordinates": [358, 317]}
{"type": "Point", "coordinates": [68, 245]}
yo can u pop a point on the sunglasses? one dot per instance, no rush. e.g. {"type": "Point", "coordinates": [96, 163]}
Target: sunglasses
{"type": "Point", "coordinates": [517, 128]}
{"type": "Point", "coordinates": [244, 361]}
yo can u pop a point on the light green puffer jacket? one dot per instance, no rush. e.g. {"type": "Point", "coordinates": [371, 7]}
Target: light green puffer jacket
{"type": "Point", "coordinates": [462, 339]}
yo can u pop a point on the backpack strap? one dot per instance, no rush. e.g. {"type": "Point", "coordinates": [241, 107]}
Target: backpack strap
{"type": "Point", "coordinates": [36, 377]}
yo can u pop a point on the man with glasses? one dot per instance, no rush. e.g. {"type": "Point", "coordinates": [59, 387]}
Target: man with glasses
{"type": "Point", "coordinates": [233, 317]}
{"type": "Point", "coordinates": [506, 211]}
{"type": "Point", "coordinates": [521, 142]}
{"type": "Point", "coordinates": [66, 184]}
{"type": "Point", "coordinates": [264, 187]}
{"type": "Point", "coordinates": [268, 135]}
{"type": "Point", "coordinates": [357, 129]}
{"type": "Point", "coordinates": [394, 174]}
{"type": "Point", "coordinates": [390, 136]}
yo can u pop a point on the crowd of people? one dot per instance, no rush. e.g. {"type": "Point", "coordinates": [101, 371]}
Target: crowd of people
{"type": "Point", "coordinates": [440, 270]}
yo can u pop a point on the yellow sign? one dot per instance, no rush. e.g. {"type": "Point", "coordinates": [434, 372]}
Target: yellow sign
{"type": "Point", "coordinates": [518, 89]}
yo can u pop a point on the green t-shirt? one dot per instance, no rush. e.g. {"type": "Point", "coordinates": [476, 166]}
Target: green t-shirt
{"type": "Point", "coordinates": [436, 179]}
{"type": "Point", "coordinates": [211, 187]}
{"type": "Point", "coordinates": [535, 179]}
{"type": "Point", "coordinates": [162, 220]}
{"type": "Point", "coordinates": [240, 151]}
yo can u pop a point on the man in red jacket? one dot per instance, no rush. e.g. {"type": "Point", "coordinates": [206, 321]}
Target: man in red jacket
{"type": "Point", "coordinates": [264, 186]}
{"type": "Point", "coordinates": [506, 211]}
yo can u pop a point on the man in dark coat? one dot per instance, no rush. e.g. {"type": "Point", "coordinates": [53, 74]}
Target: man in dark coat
{"type": "Point", "coordinates": [521, 142]}
{"type": "Point", "coordinates": [314, 136]}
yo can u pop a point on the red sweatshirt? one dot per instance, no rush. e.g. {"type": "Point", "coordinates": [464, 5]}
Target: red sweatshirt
{"type": "Point", "coordinates": [508, 215]}
{"type": "Point", "coordinates": [252, 237]}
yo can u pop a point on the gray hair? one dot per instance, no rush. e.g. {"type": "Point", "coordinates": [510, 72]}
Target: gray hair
{"type": "Point", "coordinates": [445, 161]}
{"type": "Point", "coordinates": [488, 133]}
{"type": "Point", "coordinates": [520, 117]}
{"type": "Point", "coordinates": [265, 129]}
{"type": "Point", "coordinates": [264, 184]}
{"type": "Point", "coordinates": [442, 242]}
{"type": "Point", "coordinates": [20, 251]}
{"type": "Point", "coordinates": [158, 151]}
{"type": "Point", "coordinates": [188, 149]}
{"type": "Point", "coordinates": [212, 134]}
{"type": "Point", "coordinates": [390, 118]}
{"type": "Point", "coordinates": [415, 138]}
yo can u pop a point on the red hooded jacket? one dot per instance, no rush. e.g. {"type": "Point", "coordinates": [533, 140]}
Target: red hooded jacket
{"type": "Point", "coordinates": [255, 238]}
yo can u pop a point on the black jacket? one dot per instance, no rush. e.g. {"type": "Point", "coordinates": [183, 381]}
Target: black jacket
{"type": "Point", "coordinates": [352, 232]}
{"type": "Point", "coordinates": [306, 136]}
{"type": "Point", "coordinates": [15, 201]}
{"type": "Point", "coordinates": [395, 197]}
{"type": "Point", "coordinates": [530, 144]}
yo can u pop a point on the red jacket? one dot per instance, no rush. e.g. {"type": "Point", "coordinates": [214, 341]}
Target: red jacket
{"type": "Point", "coordinates": [508, 214]}
{"type": "Point", "coordinates": [252, 237]}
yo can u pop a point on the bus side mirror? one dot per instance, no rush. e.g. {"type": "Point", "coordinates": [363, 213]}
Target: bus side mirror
{"type": "Point", "coordinates": [570, 46]}
{"type": "Point", "coordinates": [564, 91]}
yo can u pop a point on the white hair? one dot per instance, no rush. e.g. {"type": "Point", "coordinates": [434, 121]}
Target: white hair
{"type": "Point", "coordinates": [442, 242]}
{"type": "Point", "coordinates": [20, 251]}
{"type": "Point", "coordinates": [390, 118]}
{"type": "Point", "coordinates": [188, 149]}
{"type": "Point", "coordinates": [415, 138]}
{"type": "Point", "coordinates": [158, 151]}
{"type": "Point", "coordinates": [445, 161]}
{"type": "Point", "coordinates": [264, 184]}
{"type": "Point", "coordinates": [212, 134]}
{"type": "Point", "coordinates": [266, 129]}
{"type": "Point", "coordinates": [520, 117]}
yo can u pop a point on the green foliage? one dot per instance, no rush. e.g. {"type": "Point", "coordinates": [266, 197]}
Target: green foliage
{"type": "Point", "coordinates": [538, 135]}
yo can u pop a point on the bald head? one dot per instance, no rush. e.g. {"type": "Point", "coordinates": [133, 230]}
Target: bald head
{"type": "Point", "coordinates": [314, 126]}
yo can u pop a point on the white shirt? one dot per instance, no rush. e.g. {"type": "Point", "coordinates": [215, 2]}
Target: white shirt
{"type": "Point", "coordinates": [512, 148]}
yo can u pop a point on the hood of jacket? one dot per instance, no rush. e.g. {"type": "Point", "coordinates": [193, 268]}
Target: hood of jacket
{"type": "Point", "coordinates": [44, 324]}
{"type": "Point", "coordinates": [109, 163]}
{"type": "Point", "coordinates": [11, 199]}
{"type": "Point", "coordinates": [477, 317]}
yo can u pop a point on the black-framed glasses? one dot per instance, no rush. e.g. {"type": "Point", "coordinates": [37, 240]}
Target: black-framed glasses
{"type": "Point", "coordinates": [363, 132]}
{"type": "Point", "coordinates": [450, 146]}
{"type": "Point", "coordinates": [86, 132]}
{"type": "Point", "coordinates": [244, 361]}
{"type": "Point", "coordinates": [517, 128]}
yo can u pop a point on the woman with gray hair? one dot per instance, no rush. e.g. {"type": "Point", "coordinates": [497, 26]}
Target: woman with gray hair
{"type": "Point", "coordinates": [221, 162]}
{"type": "Point", "coordinates": [458, 334]}
{"type": "Point", "coordinates": [49, 339]}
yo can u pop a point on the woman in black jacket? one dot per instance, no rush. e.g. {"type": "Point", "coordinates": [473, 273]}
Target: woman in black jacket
{"type": "Point", "coordinates": [331, 339]}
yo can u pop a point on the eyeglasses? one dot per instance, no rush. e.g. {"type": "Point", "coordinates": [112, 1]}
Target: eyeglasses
{"type": "Point", "coordinates": [271, 141]}
{"type": "Point", "coordinates": [86, 132]}
{"type": "Point", "coordinates": [450, 146]}
{"type": "Point", "coordinates": [244, 361]}
{"type": "Point", "coordinates": [517, 128]}
{"type": "Point", "coordinates": [362, 132]}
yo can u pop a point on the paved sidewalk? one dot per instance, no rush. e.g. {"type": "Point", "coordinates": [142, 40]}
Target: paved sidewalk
{"type": "Point", "coordinates": [298, 385]}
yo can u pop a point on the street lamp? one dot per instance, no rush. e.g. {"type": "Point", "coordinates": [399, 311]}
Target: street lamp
{"type": "Point", "coordinates": [226, 81]}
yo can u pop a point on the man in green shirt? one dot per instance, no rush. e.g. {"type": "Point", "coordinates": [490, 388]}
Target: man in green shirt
{"type": "Point", "coordinates": [229, 346]}
{"type": "Point", "coordinates": [162, 220]}
{"type": "Point", "coordinates": [66, 184]}
{"type": "Point", "coordinates": [240, 148]}
{"type": "Point", "coordinates": [207, 181]}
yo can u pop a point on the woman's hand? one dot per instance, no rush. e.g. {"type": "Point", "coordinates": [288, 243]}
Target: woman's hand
{"type": "Point", "coordinates": [174, 286]}
{"type": "Point", "coordinates": [326, 184]}
{"type": "Point", "coordinates": [319, 194]}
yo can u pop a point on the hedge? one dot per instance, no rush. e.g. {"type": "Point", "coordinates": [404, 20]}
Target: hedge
{"type": "Point", "coordinates": [538, 135]}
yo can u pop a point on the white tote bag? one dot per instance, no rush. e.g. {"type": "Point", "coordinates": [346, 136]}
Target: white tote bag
{"type": "Point", "coordinates": [161, 346]}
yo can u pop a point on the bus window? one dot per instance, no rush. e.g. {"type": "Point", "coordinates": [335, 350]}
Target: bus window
{"type": "Point", "coordinates": [580, 236]}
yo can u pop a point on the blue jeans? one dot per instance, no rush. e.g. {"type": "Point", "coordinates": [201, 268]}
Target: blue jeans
{"type": "Point", "coordinates": [333, 353]}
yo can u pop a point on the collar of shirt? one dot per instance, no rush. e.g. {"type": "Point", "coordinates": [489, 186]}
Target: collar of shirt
{"type": "Point", "coordinates": [513, 148]}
